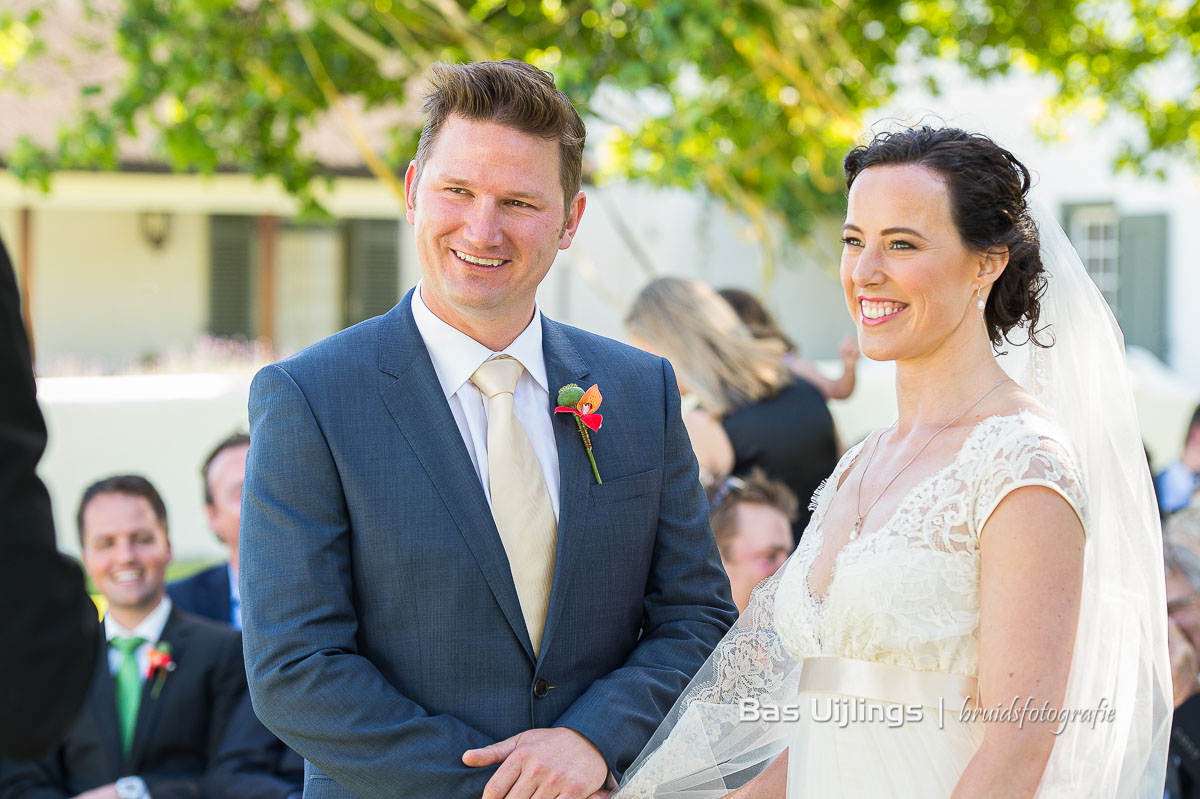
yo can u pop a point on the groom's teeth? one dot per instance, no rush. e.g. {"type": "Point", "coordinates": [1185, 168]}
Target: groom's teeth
{"type": "Point", "coordinates": [878, 310]}
{"type": "Point", "coordinates": [471, 259]}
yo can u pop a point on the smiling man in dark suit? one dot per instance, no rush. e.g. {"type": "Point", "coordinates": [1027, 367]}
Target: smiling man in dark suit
{"type": "Point", "coordinates": [440, 598]}
{"type": "Point", "coordinates": [165, 684]}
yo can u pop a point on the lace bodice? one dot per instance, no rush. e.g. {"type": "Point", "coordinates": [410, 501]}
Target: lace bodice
{"type": "Point", "coordinates": [907, 593]}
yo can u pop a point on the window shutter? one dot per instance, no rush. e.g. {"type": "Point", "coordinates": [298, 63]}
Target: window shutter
{"type": "Point", "coordinates": [372, 267]}
{"type": "Point", "coordinates": [1143, 274]}
{"type": "Point", "coordinates": [231, 270]}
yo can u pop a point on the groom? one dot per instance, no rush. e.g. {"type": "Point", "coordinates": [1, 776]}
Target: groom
{"type": "Point", "coordinates": [439, 598]}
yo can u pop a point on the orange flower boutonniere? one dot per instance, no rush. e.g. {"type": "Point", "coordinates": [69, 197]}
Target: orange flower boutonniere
{"type": "Point", "coordinates": [573, 399]}
{"type": "Point", "coordinates": [161, 663]}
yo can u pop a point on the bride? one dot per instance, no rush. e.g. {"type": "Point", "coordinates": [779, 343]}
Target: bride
{"type": "Point", "coordinates": [976, 608]}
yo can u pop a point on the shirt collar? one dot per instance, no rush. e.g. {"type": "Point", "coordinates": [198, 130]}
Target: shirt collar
{"type": "Point", "coordinates": [150, 629]}
{"type": "Point", "coordinates": [456, 355]}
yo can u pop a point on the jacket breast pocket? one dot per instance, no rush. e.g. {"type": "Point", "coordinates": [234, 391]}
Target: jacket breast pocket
{"type": "Point", "coordinates": [623, 488]}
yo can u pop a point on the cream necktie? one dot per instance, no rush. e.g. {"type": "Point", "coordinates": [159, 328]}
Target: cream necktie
{"type": "Point", "coordinates": [520, 499]}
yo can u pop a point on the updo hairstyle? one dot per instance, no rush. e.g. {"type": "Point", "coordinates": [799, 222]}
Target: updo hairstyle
{"type": "Point", "coordinates": [986, 185]}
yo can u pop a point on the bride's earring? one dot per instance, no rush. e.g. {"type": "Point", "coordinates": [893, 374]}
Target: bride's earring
{"type": "Point", "coordinates": [979, 298]}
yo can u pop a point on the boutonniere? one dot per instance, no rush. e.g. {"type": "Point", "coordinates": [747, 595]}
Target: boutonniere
{"type": "Point", "coordinates": [573, 399]}
{"type": "Point", "coordinates": [161, 663]}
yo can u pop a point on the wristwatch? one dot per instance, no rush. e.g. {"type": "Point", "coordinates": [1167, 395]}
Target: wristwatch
{"type": "Point", "coordinates": [131, 788]}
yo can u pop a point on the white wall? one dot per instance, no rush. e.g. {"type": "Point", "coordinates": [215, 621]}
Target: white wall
{"type": "Point", "coordinates": [101, 292]}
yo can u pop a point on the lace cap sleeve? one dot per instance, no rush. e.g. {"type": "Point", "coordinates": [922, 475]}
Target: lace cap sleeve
{"type": "Point", "coordinates": [1027, 451]}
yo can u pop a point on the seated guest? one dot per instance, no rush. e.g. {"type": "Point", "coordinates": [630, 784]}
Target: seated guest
{"type": "Point", "coordinates": [1183, 528]}
{"type": "Point", "coordinates": [253, 762]}
{"type": "Point", "coordinates": [1182, 571]}
{"type": "Point", "coordinates": [752, 520]}
{"type": "Point", "coordinates": [165, 684]}
{"type": "Point", "coordinates": [1176, 483]}
{"type": "Point", "coordinates": [213, 593]}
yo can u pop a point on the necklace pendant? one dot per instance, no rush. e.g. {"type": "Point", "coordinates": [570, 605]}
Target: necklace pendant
{"type": "Point", "coordinates": [855, 530]}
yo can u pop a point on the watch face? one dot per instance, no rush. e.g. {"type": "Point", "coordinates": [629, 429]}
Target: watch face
{"type": "Point", "coordinates": [130, 788]}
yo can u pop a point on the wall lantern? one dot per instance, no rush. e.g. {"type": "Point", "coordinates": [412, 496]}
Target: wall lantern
{"type": "Point", "coordinates": [155, 227]}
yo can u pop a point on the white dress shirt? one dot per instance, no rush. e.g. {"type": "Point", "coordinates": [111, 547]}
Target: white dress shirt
{"type": "Point", "coordinates": [150, 629]}
{"type": "Point", "coordinates": [456, 356]}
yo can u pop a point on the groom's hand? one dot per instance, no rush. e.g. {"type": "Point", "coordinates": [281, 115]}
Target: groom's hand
{"type": "Point", "coordinates": [558, 760]}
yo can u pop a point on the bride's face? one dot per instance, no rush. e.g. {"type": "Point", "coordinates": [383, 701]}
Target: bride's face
{"type": "Point", "coordinates": [909, 279]}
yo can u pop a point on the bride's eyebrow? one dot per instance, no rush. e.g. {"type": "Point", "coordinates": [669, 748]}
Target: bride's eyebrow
{"type": "Point", "coordinates": [907, 231]}
{"type": "Point", "coordinates": [887, 231]}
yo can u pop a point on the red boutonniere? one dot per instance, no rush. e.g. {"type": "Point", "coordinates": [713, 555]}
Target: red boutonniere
{"type": "Point", "coordinates": [573, 399]}
{"type": "Point", "coordinates": [161, 663]}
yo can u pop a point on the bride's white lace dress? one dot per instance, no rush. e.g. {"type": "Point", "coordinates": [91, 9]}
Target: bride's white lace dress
{"type": "Point", "coordinates": [906, 594]}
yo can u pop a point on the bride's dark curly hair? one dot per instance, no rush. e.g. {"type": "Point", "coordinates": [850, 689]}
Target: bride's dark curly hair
{"type": "Point", "coordinates": [987, 187]}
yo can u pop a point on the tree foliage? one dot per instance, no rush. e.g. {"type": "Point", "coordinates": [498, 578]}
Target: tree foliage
{"type": "Point", "coordinates": [755, 100]}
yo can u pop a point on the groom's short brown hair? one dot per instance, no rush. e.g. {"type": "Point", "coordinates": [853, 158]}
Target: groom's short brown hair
{"type": "Point", "coordinates": [510, 93]}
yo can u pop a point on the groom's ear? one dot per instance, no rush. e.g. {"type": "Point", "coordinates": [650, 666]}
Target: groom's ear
{"type": "Point", "coordinates": [410, 188]}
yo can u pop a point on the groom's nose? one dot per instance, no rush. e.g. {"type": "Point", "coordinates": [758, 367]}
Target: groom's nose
{"type": "Point", "coordinates": [482, 228]}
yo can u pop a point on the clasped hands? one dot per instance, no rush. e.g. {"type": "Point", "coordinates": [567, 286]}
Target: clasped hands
{"type": "Point", "coordinates": [548, 763]}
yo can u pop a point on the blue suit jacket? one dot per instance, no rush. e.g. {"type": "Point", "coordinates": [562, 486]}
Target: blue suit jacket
{"type": "Point", "coordinates": [205, 594]}
{"type": "Point", "coordinates": [382, 630]}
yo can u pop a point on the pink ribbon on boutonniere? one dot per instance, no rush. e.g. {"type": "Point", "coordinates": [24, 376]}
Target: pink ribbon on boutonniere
{"type": "Point", "coordinates": [161, 663]}
{"type": "Point", "coordinates": [583, 404]}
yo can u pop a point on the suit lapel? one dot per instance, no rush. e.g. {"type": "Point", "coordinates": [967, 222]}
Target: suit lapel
{"type": "Point", "coordinates": [103, 705]}
{"type": "Point", "coordinates": [151, 708]}
{"type": "Point", "coordinates": [563, 366]}
{"type": "Point", "coordinates": [419, 408]}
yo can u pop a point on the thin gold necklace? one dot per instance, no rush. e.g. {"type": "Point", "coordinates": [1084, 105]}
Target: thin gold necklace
{"type": "Point", "coordinates": [862, 514]}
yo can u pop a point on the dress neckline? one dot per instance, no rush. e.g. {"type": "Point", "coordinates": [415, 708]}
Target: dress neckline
{"type": "Point", "coordinates": [818, 519]}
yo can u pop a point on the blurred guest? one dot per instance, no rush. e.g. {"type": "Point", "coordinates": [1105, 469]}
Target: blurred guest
{"type": "Point", "coordinates": [1183, 528]}
{"type": "Point", "coordinates": [56, 624]}
{"type": "Point", "coordinates": [165, 684]}
{"type": "Point", "coordinates": [1176, 483]}
{"type": "Point", "coordinates": [253, 763]}
{"type": "Point", "coordinates": [752, 520]}
{"type": "Point", "coordinates": [213, 593]}
{"type": "Point", "coordinates": [769, 417]}
{"type": "Point", "coordinates": [1182, 567]}
{"type": "Point", "coordinates": [762, 325]}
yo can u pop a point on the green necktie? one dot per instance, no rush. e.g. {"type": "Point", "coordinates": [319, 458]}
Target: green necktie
{"type": "Point", "coordinates": [128, 687]}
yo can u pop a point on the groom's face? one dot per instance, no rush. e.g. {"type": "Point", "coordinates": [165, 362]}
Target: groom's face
{"type": "Point", "coordinates": [489, 218]}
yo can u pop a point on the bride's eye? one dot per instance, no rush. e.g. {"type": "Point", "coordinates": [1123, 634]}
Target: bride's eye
{"type": "Point", "coordinates": [850, 241]}
{"type": "Point", "coordinates": [901, 245]}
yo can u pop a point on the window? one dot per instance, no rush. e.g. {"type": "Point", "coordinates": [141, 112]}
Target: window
{"type": "Point", "coordinates": [1094, 230]}
{"type": "Point", "coordinates": [1126, 256]}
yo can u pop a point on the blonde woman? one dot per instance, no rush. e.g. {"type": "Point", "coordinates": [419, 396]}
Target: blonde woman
{"type": "Point", "coordinates": [743, 406]}
{"type": "Point", "coordinates": [763, 326]}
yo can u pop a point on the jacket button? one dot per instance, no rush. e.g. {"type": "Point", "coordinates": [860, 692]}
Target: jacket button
{"type": "Point", "coordinates": [540, 689]}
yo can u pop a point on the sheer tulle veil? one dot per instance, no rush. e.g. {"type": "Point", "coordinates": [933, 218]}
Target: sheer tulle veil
{"type": "Point", "coordinates": [703, 751]}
